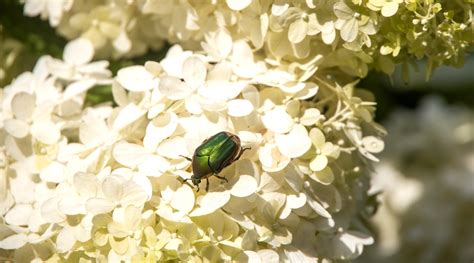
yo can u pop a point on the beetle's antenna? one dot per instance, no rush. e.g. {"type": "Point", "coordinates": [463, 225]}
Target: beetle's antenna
{"type": "Point", "coordinates": [242, 150]}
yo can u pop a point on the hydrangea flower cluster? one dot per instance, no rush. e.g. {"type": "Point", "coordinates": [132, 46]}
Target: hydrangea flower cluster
{"type": "Point", "coordinates": [352, 36]}
{"type": "Point", "coordinates": [425, 213]}
{"type": "Point", "coordinates": [106, 182]}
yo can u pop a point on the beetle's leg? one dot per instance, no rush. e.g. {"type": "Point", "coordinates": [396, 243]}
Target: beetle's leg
{"type": "Point", "coordinates": [187, 179]}
{"type": "Point", "coordinates": [192, 186]}
{"type": "Point", "coordinates": [242, 150]}
{"type": "Point", "coordinates": [207, 184]}
{"type": "Point", "coordinates": [187, 158]}
{"type": "Point", "coordinates": [221, 177]}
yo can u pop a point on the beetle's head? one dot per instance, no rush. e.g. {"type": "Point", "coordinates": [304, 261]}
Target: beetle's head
{"type": "Point", "coordinates": [196, 181]}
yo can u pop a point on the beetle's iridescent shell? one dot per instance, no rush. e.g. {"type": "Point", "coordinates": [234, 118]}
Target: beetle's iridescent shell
{"type": "Point", "coordinates": [214, 154]}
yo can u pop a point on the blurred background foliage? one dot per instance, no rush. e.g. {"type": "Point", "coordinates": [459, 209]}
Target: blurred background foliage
{"type": "Point", "coordinates": [31, 38]}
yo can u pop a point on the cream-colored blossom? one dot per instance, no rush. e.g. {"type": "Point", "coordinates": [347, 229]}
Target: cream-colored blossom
{"type": "Point", "coordinates": [36, 109]}
{"type": "Point", "coordinates": [292, 32]}
{"type": "Point", "coordinates": [117, 191]}
{"type": "Point", "coordinates": [53, 10]}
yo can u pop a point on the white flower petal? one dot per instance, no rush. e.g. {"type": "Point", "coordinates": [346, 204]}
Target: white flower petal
{"type": "Point", "coordinates": [270, 183]}
{"type": "Point", "coordinates": [135, 194]}
{"type": "Point", "coordinates": [112, 189]}
{"type": "Point", "coordinates": [244, 186]}
{"type": "Point", "coordinates": [192, 104]}
{"type": "Point", "coordinates": [238, 5]}
{"type": "Point", "coordinates": [331, 150]}
{"type": "Point", "coordinates": [310, 117]}
{"type": "Point", "coordinates": [350, 30]}
{"type": "Point", "coordinates": [349, 244]}
{"type": "Point", "coordinates": [71, 205]}
{"type": "Point", "coordinates": [307, 92]}
{"type": "Point", "coordinates": [248, 256]}
{"type": "Point", "coordinates": [23, 105]}
{"type": "Point", "coordinates": [296, 201]}
{"type": "Point", "coordinates": [154, 165]}
{"type": "Point", "coordinates": [252, 94]}
{"type": "Point", "coordinates": [99, 205]}
{"type": "Point", "coordinates": [297, 31]}
{"type": "Point", "coordinates": [14, 241]}
{"type": "Point", "coordinates": [239, 108]}
{"type": "Point", "coordinates": [268, 256]}
{"type": "Point", "coordinates": [78, 52]}
{"type": "Point", "coordinates": [271, 158]}
{"type": "Point", "coordinates": [136, 78]}
{"type": "Point", "coordinates": [65, 240]}
{"type": "Point", "coordinates": [318, 208]}
{"type": "Point", "coordinates": [222, 71]}
{"type": "Point", "coordinates": [77, 88]}
{"type": "Point", "coordinates": [173, 148]}
{"type": "Point", "coordinates": [173, 88]}
{"type": "Point", "coordinates": [127, 116]}
{"type": "Point", "coordinates": [33, 8]}
{"type": "Point", "coordinates": [19, 215]}
{"type": "Point", "coordinates": [317, 137]}
{"type": "Point", "coordinates": [293, 108]}
{"type": "Point", "coordinates": [328, 36]}
{"type": "Point", "coordinates": [325, 176]}
{"type": "Point", "coordinates": [130, 155]}
{"type": "Point", "coordinates": [277, 120]}
{"type": "Point", "coordinates": [50, 212]}
{"type": "Point", "coordinates": [318, 163]}
{"type": "Point", "coordinates": [343, 11]}
{"type": "Point", "coordinates": [122, 43]}
{"type": "Point", "coordinates": [242, 54]}
{"type": "Point", "coordinates": [293, 177]}
{"type": "Point", "coordinates": [119, 94]}
{"type": "Point", "coordinates": [221, 91]}
{"type": "Point", "coordinates": [292, 87]}
{"type": "Point", "coordinates": [86, 184]}
{"type": "Point", "coordinates": [159, 129]}
{"type": "Point", "coordinates": [183, 199]}
{"type": "Point", "coordinates": [295, 143]}
{"type": "Point", "coordinates": [93, 131]}
{"type": "Point", "coordinates": [210, 202]}
{"type": "Point", "coordinates": [173, 62]}
{"type": "Point", "coordinates": [142, 181]}
{"type": "Point", "coordinates": [55, 172]}
{"type": "Point", "coordinates": [373, 144]}
{"type": "Point", "coordinates": [194, 71]}
{"type": "Point", "coordinates": [218, 44]}
{"type": "Point", "coordinates": [46, 132]}
{"type": "Point", "coordinates": [279, 7]}
{"type": "Point", "coordinates": [389, 8]}
{"type": "Point", "coordinates": [16, 128]}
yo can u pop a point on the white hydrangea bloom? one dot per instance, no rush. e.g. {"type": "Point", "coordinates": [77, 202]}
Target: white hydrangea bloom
{"type": "Point", "coordinates": [53, 10]}
{"type": "Point", "coordinates": [108, 182]}
{"type": "Point", "coordinates": [38, 110]}
{"type": "Point", "coordinates": [344, 33]}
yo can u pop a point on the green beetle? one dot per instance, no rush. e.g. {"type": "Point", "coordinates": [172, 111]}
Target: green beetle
{"type": "Point", "coordinates": [213, 155]}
